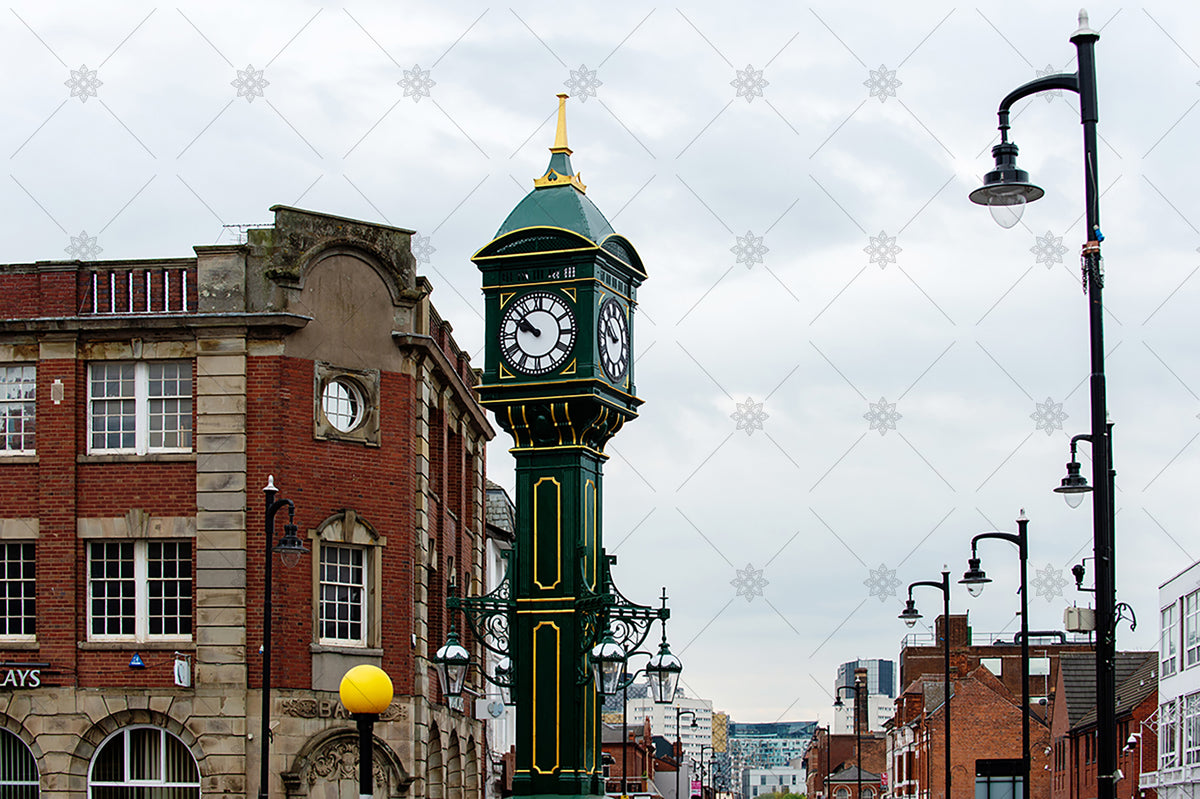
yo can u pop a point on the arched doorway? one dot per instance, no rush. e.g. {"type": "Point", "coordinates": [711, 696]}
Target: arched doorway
{"type": "Point", "coordinates": [143, 762]}
{"type": "Point", "coordinates": [18, 769]}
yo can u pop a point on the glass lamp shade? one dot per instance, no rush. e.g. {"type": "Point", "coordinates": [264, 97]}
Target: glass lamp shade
{"type": "Point", "coordinates": [504, 676]}
{"type": "Point", "coordinates": [974, 578]}
{"type": "Point", "coordinates": [608, 665]}
{"type": "Point", "coordinates": [910, 615]}
{"type": "Point", "coordinates": [1074, 500]}
{"type": "Point", "coordinates": [663, 672]}
{"type": "Point", "coordinates": [290, 547]}
{"type": "Point", "coordinates": [451, 662]}
{"type": "Point", "coordinates": [1007, 214]}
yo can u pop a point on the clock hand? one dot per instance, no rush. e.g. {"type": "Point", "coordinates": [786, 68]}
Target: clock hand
{"type": "Point", "coordinates": [612, 333]}
{"type": "Point", "coordinates": [525, 325]}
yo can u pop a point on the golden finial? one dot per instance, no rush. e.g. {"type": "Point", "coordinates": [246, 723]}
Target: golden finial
{"type": "Point", "coordinates": [560, 135]}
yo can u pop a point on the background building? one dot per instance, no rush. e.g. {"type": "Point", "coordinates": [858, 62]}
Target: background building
{"type": "Point", "coordinates": [143, 405]}
{"type": "Point", "coordinates": [662, 720]}
{"type": "Point", "coordinates": [1176, 723]}
{"type": "Point", "coordinates": [879, 701]}
{"type": "Point", "coordinates": [764, 745]}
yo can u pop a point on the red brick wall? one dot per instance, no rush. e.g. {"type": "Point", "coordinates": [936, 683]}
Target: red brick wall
{"type": "Point", "coordinates": [322, 478]}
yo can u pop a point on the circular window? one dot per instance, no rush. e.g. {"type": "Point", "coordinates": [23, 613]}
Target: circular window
{"type": "Point", "coordinates": [343, 402]}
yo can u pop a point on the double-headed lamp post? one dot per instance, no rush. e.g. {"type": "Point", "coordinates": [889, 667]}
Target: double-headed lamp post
{"type": "Point", "coordinates": [909, 616]}
{"type": "Point", "coordinates": [290, 548]}
{"type": "Point", "coordinates": [1007, 189]}
{"type": "Point", "coordinates": [679, 743]}
{"type": "Point", "coordinates": [366, 691]}
{"type": "Point", "coordinates": [974, 578]}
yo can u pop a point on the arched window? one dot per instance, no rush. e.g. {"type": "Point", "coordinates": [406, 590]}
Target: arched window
{"type": "Point", "coordinates": [841, 793]}
{"type": "Point", "coordinates": [868, 793]}
{"type": "Point", "coordinates": [18, 769]}
{"type": "Point", "coordinates": [143, 763]}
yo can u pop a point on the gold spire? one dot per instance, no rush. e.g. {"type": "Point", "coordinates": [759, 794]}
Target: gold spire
{"type": "Point", "coordinates": [559, 172]}
{"type": "Point", "coordinates": [560, 135]}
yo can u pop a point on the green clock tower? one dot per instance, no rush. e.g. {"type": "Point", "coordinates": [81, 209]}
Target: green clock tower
{"type": "Point", "coordinates": [560, 288]}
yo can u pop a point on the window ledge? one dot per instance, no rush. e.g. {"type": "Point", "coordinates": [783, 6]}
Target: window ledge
{"type": "Point", "coordinates": [346, 649]}
{"type": "Point", "coordinates": [23, 458]}
{"type": "Point", "coordinates": [11, 646]}
{"type": "Point", "coordinates": [109, 646]}
{"type": "Point", "coordinates": [130, 457]}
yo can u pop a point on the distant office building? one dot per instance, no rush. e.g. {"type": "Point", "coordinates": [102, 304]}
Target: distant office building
{"type": "Point", "coordinates": [663, 718]}
{"type": "Point", "coordinates": [879, 703]}
{"type": "Point", "coordinates": [764, 745]}
{"type": "Point", "coordinates": [881, 676]}
{"type": "Point", "coordinates": [761, 781]}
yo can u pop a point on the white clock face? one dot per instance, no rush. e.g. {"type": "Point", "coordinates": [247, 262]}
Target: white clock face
{"type": "Point", "coordinates": [537, 332]}
{"type": "Point", "coordinates": [612, 329]}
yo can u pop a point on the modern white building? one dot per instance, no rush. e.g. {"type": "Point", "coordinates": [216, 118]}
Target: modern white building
{"type": "Point", "coordinates": [1177, 719]}
{"type": "Point", "coordinates": [761, 781]}
{"type": "Point", "coordinates": [880, 709]}
{"type": "Point", "coordinates": [881, 695]}
{"type": "Point", "coordinates": [662, 721]}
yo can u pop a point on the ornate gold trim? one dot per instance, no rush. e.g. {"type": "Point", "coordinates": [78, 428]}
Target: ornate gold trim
{"type": "Point", "coordinates": [557, 695]}
{"type": "Point", "coordinates": [557, 534]}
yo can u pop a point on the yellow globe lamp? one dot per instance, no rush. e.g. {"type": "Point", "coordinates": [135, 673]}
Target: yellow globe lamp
{"type": "Point", "coordinates": [366, 689]}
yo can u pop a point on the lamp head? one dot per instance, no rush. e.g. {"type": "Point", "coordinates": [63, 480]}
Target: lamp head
{"type": "Point", "coordinates": [1073, 486]}
{"type": "Point", "coordinates": [290, 547]}
{"type": "Point", "coordinates": [366, 689]}
{"type": "Point", "coordinates": [451, 662]}
{"type": "Point", "coordinates": [1078, 571]}
{"type": "Point", "coordinates": [910, 614]}
{"type": "Point", "coordinates": [608, 664]}
{"type": "Point", "coordinates": [663, 671]}
{"type": "Point", "coordinates": [974, 578]}
{"type": "Point", "coordinates": [1006, 189]}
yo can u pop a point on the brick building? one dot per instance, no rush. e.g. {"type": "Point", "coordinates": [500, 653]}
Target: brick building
{"type": "Point", "coordinates": [831, 763]}
{"type": "Point", "coordinates": [1073, 724]}
{"type": "Point", "coordinates": [143, 405]}
{"type": "Point", "coordinates": [985, 717]}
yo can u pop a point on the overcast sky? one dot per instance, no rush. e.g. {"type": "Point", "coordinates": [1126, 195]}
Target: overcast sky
{"type": "Point", "coordinates": [848, 369]}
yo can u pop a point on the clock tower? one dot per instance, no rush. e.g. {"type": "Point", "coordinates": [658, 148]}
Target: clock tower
{"type": "Point", "coordinates": [560, 287]}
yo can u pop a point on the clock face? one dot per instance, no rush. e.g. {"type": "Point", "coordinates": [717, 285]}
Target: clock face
{"type": "Point", "coordinates": [612, 329]}
{"type": "Point", "coordinates": [537, 332]}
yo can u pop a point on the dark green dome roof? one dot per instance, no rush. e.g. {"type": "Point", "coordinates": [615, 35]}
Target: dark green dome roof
{"type": "Point", "coordinates": [559, 206]}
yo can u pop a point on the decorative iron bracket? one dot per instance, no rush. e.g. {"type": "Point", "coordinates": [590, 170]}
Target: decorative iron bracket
{"type": "Point", "coordinates": [492, 616]}
{"type": "Point", "coordinates": [608, 610]}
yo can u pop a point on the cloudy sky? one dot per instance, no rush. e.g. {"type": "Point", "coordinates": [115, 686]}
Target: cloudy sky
{"type": "Point", "coordinates": [848, 369]}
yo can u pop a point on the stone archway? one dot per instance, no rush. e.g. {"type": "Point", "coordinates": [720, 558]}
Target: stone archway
{"type": "Point", "coordinates": [471, 771]}
{"type": "Point", "coordinates": [326, 767]}
{"type": "Point", "coordinates": [435, 769]}
{"type": "Point", "coordinates": [454, 771]}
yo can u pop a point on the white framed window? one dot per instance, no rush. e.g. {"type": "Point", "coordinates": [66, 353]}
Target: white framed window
{"type": "Point", "coordinates": [139, 406]}
{"type": "Point", "coordinates": [1191, 629]}
{"type": "Point", "coordinates": [18, 594]}
{"type": "Point", "coordinates": [343, 605]}
{"type": "Point", "coordinates": [18, 407]}
{"type": "Point", "coordinates": [346, 579]}
{"type": "Point", "coordinates": [1190, 716]}
{"type": "Point", "coordinates": [1169, 642]}
{"type": "Point", "coordinates": [140, 590]}
{"type": "Point", "coordinates": [18, 769]}
{"type": "Point", "coordinates": [143, 763]}
{"type": "Point", "coordinates": [1168, 735]}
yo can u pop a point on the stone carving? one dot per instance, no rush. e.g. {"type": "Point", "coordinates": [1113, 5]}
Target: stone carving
{"type": "Point", "coordinates": [332, 709]}
{"type": "Point", "coordinates": [339, 761]}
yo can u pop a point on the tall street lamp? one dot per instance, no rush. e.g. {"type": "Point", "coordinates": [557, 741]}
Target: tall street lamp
{"type": "Point", "coordinates": [910, 615]}
{"type": "Point", "coordinates": [679, 743]}
{"type": "Point", "coordinates": [837, 702]}
{"type": "Point", "coordinates": [1008, 189]}
{"type": "Point", "coordinates": [366, 691]}
{"type": "Point", "coordinates": [290, 548]}
{"type": "Point", "coordinates": [974, 578]}
{"type": "Point", "coordinates": [712, 753]}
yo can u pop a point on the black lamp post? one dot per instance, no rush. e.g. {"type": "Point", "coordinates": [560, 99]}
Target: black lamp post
{"type": "Point", "coordinates": [663, 675]}
{"type": "Point", "coordinates": [290, 548]}
{"type": "Point", "coordinates": [712, 753]}
{"type": "Point", "coordinates": [837, 702]}
{"type": "Point", "coordinates": [910, 615]}
{"type": "Point", "coordinates": [1008, 188]}
{"type": "Point", "coordinates": [974, 578]}
{"type": "Point", "coordinates": [679, 744]}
